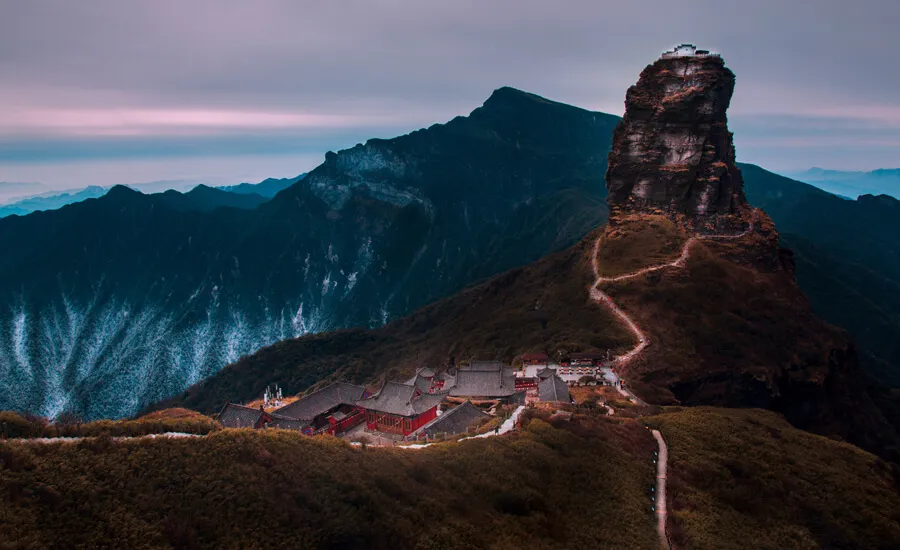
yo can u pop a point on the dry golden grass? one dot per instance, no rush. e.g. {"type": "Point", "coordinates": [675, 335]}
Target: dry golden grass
{"type": "Point", "coordinates": [637, 241]}
{"type": "Point", "coordinates": [178, 420]}
{"type": "Point", "coordinates": [575, 484]}
{"type": "Point", "coordinates": [747, 478]}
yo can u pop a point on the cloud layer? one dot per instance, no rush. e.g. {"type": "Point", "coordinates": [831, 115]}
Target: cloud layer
{"type": "Point", "coordinates": [74, 74]}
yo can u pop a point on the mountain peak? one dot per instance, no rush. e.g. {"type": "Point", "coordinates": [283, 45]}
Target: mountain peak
{"type": "Point", "coordinates": [672, 150]}
{"type": "Point", "coordinates": [508, 97]}
{"type": "Point", "coordinates": [122, 191]}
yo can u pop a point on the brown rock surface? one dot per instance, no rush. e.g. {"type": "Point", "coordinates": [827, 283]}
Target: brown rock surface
{"type": "Point", "coordinates": [673, 150]}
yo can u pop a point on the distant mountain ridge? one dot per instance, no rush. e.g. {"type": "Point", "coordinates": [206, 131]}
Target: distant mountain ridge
{"type": "Point", "coordinates": [206, 199]}
{"type": "Point", "coordinates": [851, 184]}
{"type": "Point", "coordinates": [268, 188]}
{"type": "Point", "coordinates": [202, 200]}
{"type": "Point", "coordinates": [52, 202]}
{"type": "Point", "coordinates": [116, 302]}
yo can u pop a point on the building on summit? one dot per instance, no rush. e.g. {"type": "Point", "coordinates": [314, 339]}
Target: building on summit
{"type": "Point", "coordinates": [686, 50]}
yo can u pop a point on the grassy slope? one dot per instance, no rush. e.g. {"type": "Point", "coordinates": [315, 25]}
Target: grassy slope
{"type": "Point", "coordinates": [583, 486]}
{"type": "Point", "coordinates": [13, 425]}
{"type": "Point", "coordinates": [738, 476]}
{"type": "Point", "coordinates": [542, 307]}
{"type": "Point", "coordinates": [732, 312]}
{"type": "Point", "coordinates": [733, 329]}
{"type": "Point", "coordinates": [638, 241]}
{"type": "Point", "coordinates": [848, 260]}
{"type": "Point", "coordinates": [737, 479]}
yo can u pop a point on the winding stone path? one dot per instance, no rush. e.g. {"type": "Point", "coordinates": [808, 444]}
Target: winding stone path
{"type": "Point", "coordinates": [662, 465]}
{"type": "Point", "coordinates": [642, 342]}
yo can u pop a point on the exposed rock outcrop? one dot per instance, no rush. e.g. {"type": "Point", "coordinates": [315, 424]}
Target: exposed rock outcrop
{"type": "Point", "coordinates": [673, 150]}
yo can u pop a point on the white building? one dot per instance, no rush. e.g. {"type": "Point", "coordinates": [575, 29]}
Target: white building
{"type": "Point", "coordinates": [685, 50]}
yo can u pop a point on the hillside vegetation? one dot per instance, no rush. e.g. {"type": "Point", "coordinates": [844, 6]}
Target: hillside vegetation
{"type": "Point", "coordinates": [732, 328]}
{"type": "Point", "coordinates": [581, 484]}
{"type": "Point", "coordinates": [734, 476]}
{"type": "Point", "coordinates": [746, 478]}
{"type": "Point", "coordinates": [15, 426]}
{"type": "Point", "coordinates": [848, 260]}
{"type": "Point", "coordinates": [542, 307]}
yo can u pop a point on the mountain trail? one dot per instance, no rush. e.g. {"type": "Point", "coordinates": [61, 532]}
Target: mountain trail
{"type": "Point", "coordinates": [642, 342]}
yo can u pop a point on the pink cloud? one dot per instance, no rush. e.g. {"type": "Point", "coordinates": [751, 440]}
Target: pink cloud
{"type": "Point", "coordinates": [151, 121]}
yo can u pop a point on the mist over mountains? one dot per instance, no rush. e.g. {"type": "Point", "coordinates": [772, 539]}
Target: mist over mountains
{"type": "Point", "coordinates": [885, 181]}
{"type": "Point", "coordinates": [52, 200]}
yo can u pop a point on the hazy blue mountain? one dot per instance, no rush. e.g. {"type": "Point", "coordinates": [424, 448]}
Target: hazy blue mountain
{"type": "Point", "coordinates": [113, 303]}
{"type": "Point", "coordinates": [200, 198]}
{"type": "Point", "coordinates": [267, 188]}
{"type": "Point", "coordinates": [52, 202]}
{"type": "Point", "coordinates": [11, 191]}
{"type": "Point", "coordinates": [853, 184]}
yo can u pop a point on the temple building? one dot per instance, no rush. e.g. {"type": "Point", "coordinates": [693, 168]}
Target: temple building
{"type": "Point", "coordinates": [535, 359]}
{"type": "Point", "coordinates": [586, 359]}
{"type": "Point", "coordinates": [687, 50]}
{"type": "Point", "coordinates": [239, 416]}
{"type": "Point", "coordinates": [443, 381]}
{"type": "Point", "coordinates": [399, 408]}
{"type": "Point", "coordinates": [487, 381]}
{"type": "Point", "coordinates": [455, 421]}
{"type": "Point", "coordinates": [331, 409]}
{"type": "Point", "coordinates": [427, 381]}
{"type": "Point", "coordinates": [545, 373]}
{"type": "Point", "coordinates": [554, 390]}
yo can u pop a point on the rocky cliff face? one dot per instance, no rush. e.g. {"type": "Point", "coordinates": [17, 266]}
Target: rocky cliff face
{"type": "Point", "coordinates": [673, 150]}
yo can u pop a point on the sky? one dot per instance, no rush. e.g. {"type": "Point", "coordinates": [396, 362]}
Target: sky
{"type": "Point", "coordinates": [99, 92]}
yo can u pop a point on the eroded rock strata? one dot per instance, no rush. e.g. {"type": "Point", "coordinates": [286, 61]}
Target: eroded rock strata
{"type": "Point", "coordinates": [672, 150]}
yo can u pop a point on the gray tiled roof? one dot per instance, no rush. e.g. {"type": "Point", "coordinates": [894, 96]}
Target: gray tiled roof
{"type": "Point", "coordinates": [400, 399]}
{"type": "Point", "coordinates": [285, 423]}
{"type": "Point", "coordinates": [239, 416]}
{"type": "Point", "coordinates": [553, 389]}
{"type": "Point", "coordinates": [546, 372]}
{"type": "Point", "coordinates": [419, 381]}
{"type": "Point", "coordinates": [483, 366]}
{"type": "Point", "coordinates": [484, 383]}
{"type": "Point", "coordinates": [449, 380]}
{"type": "Point", "coordinates": [323, 400]}
{"type": "Point", "coordinates": [426, 372]}
{"type": "Point", "coordinates": [454, 421]}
